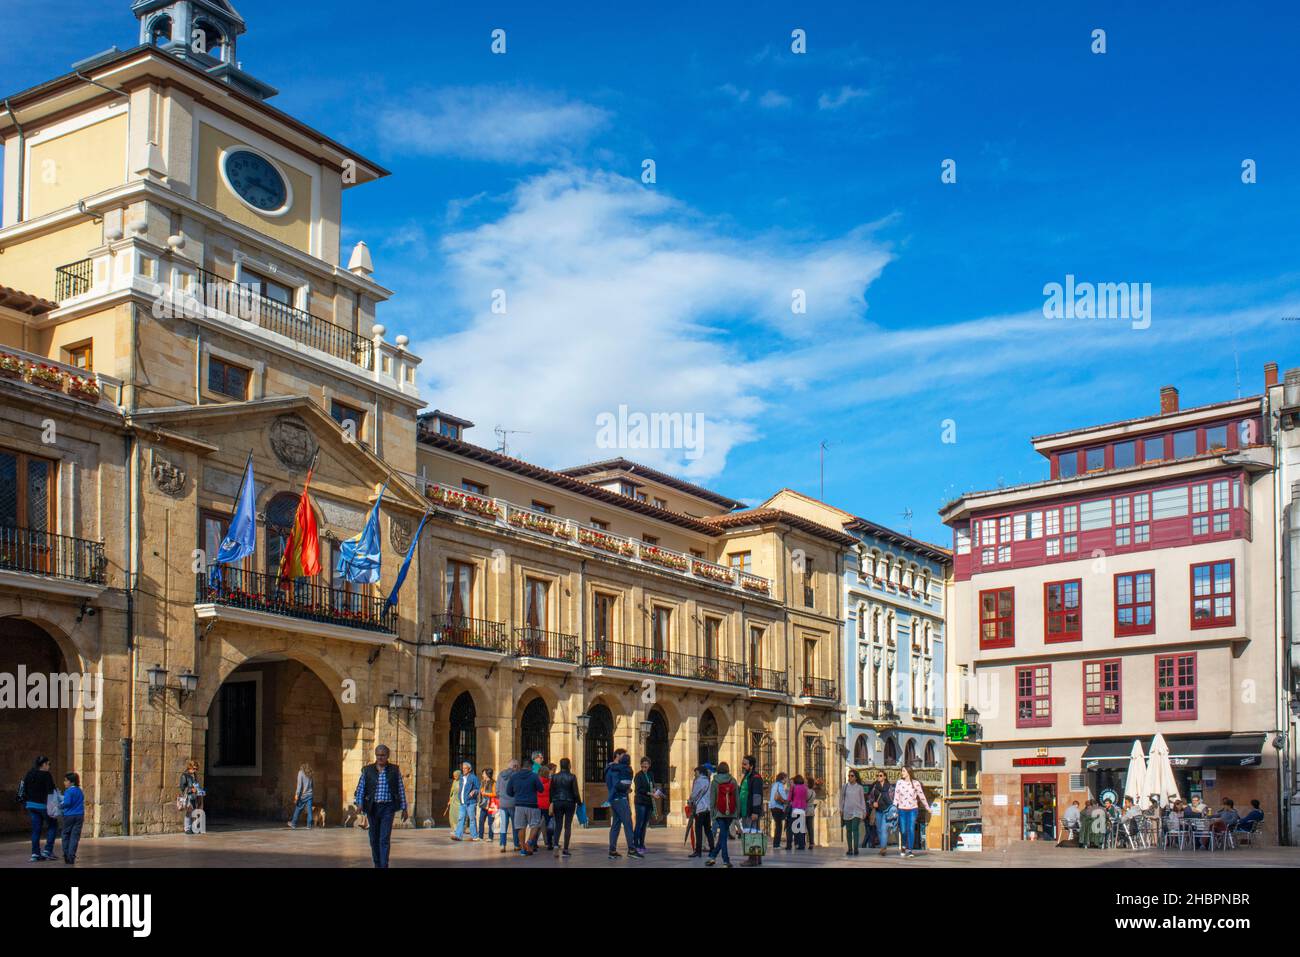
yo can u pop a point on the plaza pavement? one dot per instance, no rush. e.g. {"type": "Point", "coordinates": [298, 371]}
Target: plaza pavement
{"type": "Point", "coordinates": [268, 847]}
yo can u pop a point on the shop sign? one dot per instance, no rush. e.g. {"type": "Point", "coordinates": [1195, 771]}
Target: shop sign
{"type": "Point", "coordinates": [964, 814]}
{"type": "Point", "coordinates": [999, 800]}
{"type": "Point", "coordinates": [958, 730]}
{"type": "Point", "coordinates": [1038, 762]}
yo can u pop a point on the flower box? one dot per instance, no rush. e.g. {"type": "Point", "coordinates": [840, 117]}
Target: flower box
{"type": "Point", "coordinates": [538, 523]}
{"type": "Point", "coordinates": [755, 584]}
{"type": "Point", "coordinates": [655, 665]}
{"type": "Point", "coordinates": [12, 366]}
{"type": "Point", "coordinates": [465, 502]}
{"type": "Point", "coordinates": [709, 570]}
{"type": "Point", "coordinates": [597, 658]}
{"type": "Point", "coordinates": [608, 543]}
{"type": "Point", "coordinates": [47, 377]}
{"type": "Point", "coordinates": [80, 387]}
{"type": "Point", "coordinates": [651, 553]}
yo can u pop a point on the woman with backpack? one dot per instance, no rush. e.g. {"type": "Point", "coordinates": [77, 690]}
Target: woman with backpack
{"type": "Point", "coordinates": [853, 809]}
{"type": "Point", "coordinates": [34, 791]}
{"type": "Point", "coordinates": [724, 796]}
{"type": "Point", "coordinates": [908, 797]}
{"type": "Point", "coordinates": [799, 812]}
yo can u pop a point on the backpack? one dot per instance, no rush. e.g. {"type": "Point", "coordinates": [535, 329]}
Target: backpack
{"type": "Point", "coordinates": [725, 806]}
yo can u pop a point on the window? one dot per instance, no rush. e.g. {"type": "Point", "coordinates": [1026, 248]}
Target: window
{"type": "Point", "coordinates": [650, 539]}
{"type": "Point", "coordinates": [1101, 692]}
{"type": "Point", "coordinates": [535, 595]}
{"type": "Point", "coordinates": [474, 488]}
{"type": "Point", "coordinates": [741, 561]}
{"type": "Point", "coordinates": [1094, 515]}
{"type": "Point", "coordinates": [449, 429]}
{"type": "Point", "coordinates": [597, 523]}
{"type": "Point", "coordinates": [1135, 603]}
{"type": "Point", "coordinates": [351, 419]}
{"type": "Point", "coordinates": [27, 500]}
{"type": "Point", "coordinates": [712, 630]}
{"type": "Point", "coordinates": [809, 658]}
{"type": "Point", "coordinates": [1185, 444]}
{"type": "Point", "coordinates": [542, 507]}
{"type": "Point", "coordinates": [1131, 517]}
{"type": "Point", "coordinates": [1125, 454]}
{"type": "Point", "coordinates": [755, 646]}
{"type": "Point", "coordinates": [81, 356]}
{"type": "Point", "coordinates": [227, 379]}
{"type": "Point", "coordinates": [1169, 502]}
{"type": "Point", "coordinates": [661, 620]}
{"type": "Point", "coordinates": [809, 591]}
{"type": "Point", "coordinates": [1216, 438]}
{"type": "Point", "coordinates": [997, 618]}
{"type": "Point", "coordinates": [267, 288]}
{"type": "Point", "coordinates": [1213, 595]}
{"type": "Point", "coordinates": [1034, 696]}
{"type": "Point", "coordinates": [1067, 464]}
{"type": "Point", "coordinates": [1175, 687]}
{"type": "Point", "coordinates": [696, 553]}
{"type": "Point", "coordinates": [1153, 450]}
{"type": "Point", "coordinates": [661, 503]}
{"type": "Point", "coordinates": [1063, 616]}
{"type": "Point", "coordinates": [602, 624]}
{"type": "Point", "coordinates": [237, 724]}
{"type": "Point", "coordinates": [460, 588]}
{"type": "Point", "coordinates": [1096, 459]}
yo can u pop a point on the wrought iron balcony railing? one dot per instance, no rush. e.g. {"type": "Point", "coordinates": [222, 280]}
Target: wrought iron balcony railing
{"type": "Point", "coordinates": [765, 679]}
{"type": "Point", "coordinates": [73, 279]}
{"type": "Point", "coordinates": [818, 688]}
{"type": "Point", "coordinates": [54, 556]}
{"type": "Point", "coordinates": [676, 664]}
{"type": "Point", "coordinates": [537, 643]}
{"type": "Point", "coordinates": [243, 301]}
{"type": "Point", "coordinates": [302, 598]}
{"type": "Point", "coordinates": [462, 631]}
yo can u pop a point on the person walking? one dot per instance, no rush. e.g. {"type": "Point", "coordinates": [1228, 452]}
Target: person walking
{"type": "Point", "coordinates": [810, 818]}
{"type": "Point", "coordinates": [618, 784]}
{"type": "Point", "coordinates": [544, 805]}
{"type": "Point", "coordinates": [487, 805]}
{"type": "Point", "coordinates": [565, 798]}
{"type": "Point", "coordinates": [798, 812]}
{"type": "Point", "coordinates": [644, 803]}
{"type": "Point", "coordinates": [880, 799]}
{"type": "Point", "coordinates": [302, 796]}
{"type": "Point", "coordinates": [752, 800]}
{"type": "Point", "coordinates": [467, 791]}
{"type": "Point", "coordinates": [908, 797]}
{"type": "Point", "coordinates": [524, 786]}
{"type": "Point", "coordinates": [73, 806]}
{"type": "Point", "coordinates": [853, 810]}
{"type": "Point", "coordinates": [506, 802]}
{"type": "Point", "coordinates": [724, 798]}
{"type": "Point", "coordinates": [701, 811]}
{"type": "Point", "coordinates": [453, 800]}
{"type": "Point", "coordinates": [778, 805]}
{"type": "Point", "coordinates": [192, 793]}
{"type": "Point", "coordinates": [34, 791]}
{"type": "Point", "coordinates": [380, 794]}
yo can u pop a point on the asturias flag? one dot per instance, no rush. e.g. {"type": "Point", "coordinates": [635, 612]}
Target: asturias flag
{"type": "Point", "coordinates": [406, 563]}
{"type": "Point", "coordinates": [301, 557]}
{"type": "Point", "coordinates": [359, 557]}
{"type": "Point", "coordinates": [241, 537]}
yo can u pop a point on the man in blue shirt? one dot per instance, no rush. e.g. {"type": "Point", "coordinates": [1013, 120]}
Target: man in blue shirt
{"type": "Point", "coordinates": [469, 786]}
{"type": "Point", "coordinates": [380, 792]}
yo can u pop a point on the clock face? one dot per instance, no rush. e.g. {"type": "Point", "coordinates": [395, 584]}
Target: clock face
{"type": "Point", "coordinates": [256, 181]}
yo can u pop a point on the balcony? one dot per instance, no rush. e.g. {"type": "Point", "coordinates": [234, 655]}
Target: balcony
{"type": "Point", "coordinates": [74, 279]}
{"type": "Point", "coordinates": [50, 557]}
{"type": "Point", "coordinates": [818, 688]}
{"type": "Point", "coordinates": [536, 643]}
{"type": "Point", "coordinates": [44, 375]}
{"type": "Point", "coordinates": [461, 631]}
{"type": "Point", "coordinates": [668, 664]}
{"type": "Point", "coordinates": [765, 679]}
{"type": "Point", "coordinates": [272, 604]}
{"type": "Point", "coordinates": [242, 301]}
{"type": "Point", "coordinates": [507, 515]}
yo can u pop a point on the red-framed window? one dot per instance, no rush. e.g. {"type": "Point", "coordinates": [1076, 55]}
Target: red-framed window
{"type": "Point", "coordinates": [1135, 603]}
{"type": "Point", "coordinates": [1214, 599]}
{"type": "Point", "coordinates": [1176, 687]}
{"type": "Point", "coordinates": [1132, 519]}
{"type": "Point", "coordinates": [1102, 691]}
{"type": "Point", "coordinates": [1063, 610]}
{"type": "Point", "coordinates": [1034, 696]}
{"type": "Point", "coordinates": [998, 618]}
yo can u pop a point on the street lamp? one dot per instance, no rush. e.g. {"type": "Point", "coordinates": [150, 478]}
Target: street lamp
{"type": "Point", "coordinates": [396, 700]}
{"type": "Point", "coordinates": [157, 680]}
{"type": "Point", "coordinates": [583, 722]}
{"type": "Point", "coordinates": [415, 702]}
{"type": "Point", "coordinates": [646, 727]}
{"type": "Point", "coordinates": [187, 682]}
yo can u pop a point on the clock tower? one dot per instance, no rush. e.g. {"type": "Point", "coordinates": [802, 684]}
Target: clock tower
{"type": "Point", "coordinates": [201, 31]}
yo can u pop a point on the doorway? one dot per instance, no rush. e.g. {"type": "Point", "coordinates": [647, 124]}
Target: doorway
{"type": "Point", "coordinates": [656, 748]}
{"type": "Point", "coordinates": [1038, 807]}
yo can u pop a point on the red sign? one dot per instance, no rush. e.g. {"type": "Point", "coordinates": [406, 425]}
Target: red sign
{"type": "Point", "coordinates": [1037, 762]}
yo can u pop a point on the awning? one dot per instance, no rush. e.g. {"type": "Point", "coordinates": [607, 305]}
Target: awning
{"type": "Point", "coordinates": [1233, 750]}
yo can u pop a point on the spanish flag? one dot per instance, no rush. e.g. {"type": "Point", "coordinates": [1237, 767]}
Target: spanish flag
{"type": "Point", "coordinates": [301, 557]}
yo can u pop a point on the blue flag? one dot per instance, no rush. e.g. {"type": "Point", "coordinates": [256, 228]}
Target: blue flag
{"type": "Point", "coordinates": [359, 557]}
{"type": "Point", "coordinates": [406, 563]}
{"type": "Point", "coordinates": [241, 537]}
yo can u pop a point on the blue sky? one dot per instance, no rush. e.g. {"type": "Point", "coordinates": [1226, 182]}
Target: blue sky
{"type": "Point", "coordinates": [778, 171]}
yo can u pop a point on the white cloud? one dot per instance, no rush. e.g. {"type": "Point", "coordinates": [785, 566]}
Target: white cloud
{"type": "Point", "coordinates": [733, 91]}
{"type": "Point", "coordinates": [619, 295]}
{"type": "Point", "coordinates": [774, 100]}
{"type": "Point", "coordinates": [846, 95]}
{"type": "Point", "coordinates": [489, 123]}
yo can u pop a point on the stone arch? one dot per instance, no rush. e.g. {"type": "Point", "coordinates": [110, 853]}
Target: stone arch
{"type": "Point", "coordinates": [862, 751]}
{"type": "Point", "coordinates": [931, 758]}
{"type": "Point", "coordinates": [710, 735]}
{"type": "Point", "coordinates": [909, 753]}
{"type": "Point", "coordinates": [891, 751]}
{"type": "Point", "coordinates": [534, 717]}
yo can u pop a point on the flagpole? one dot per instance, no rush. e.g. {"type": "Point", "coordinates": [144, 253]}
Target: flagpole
{"type": "Point", "coordinates": [279, 575]}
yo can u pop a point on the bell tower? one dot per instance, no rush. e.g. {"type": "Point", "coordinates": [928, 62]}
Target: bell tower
{"type": "Point", "coordinates": [201, 32]}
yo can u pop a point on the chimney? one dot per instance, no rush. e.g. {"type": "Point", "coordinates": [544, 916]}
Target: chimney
{"type": "Point", "coordinates": [1270, 374]}
{"type": "Point", "coordinates": [1168, 399]}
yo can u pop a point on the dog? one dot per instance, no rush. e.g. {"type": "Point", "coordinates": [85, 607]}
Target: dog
{"type": "Point", "coordinates": [318, 817]}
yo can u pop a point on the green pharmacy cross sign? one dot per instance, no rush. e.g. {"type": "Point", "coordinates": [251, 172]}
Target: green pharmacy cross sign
{"type": "Point", "coordinates": [958, 730]}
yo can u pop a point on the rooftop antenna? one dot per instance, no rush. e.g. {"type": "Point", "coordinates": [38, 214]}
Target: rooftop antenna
{"type": "Point", "coordinates": [822, 455]}
{"type": "Point", "coordinates": [1236, 359]}
{"type": "Point", "coordinates": [503, 437]}
{"type": "Point", "coordinates": [907, 517]}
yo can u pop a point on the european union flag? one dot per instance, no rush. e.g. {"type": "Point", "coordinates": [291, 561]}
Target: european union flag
{"type": "Point", "coordinates": [406, 563]}
{"type": "Point", "coordinates": [359, 557]}
{"type": "Point", "coordinates": [241, 537]}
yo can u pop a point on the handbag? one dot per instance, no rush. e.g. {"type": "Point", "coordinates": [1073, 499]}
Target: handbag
{"type": "Point", "coordinates": [753, 843]}
{"type": "Point", "coordinates": [54, 804]}
{"type": "Point", "coordinates": [582, 814]}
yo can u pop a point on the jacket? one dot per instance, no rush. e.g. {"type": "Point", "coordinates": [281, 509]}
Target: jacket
{"type": "Point", "coordinates": [701, 794]}
{"type": "Point", "coordinates": [505, 799]}
{"type": "Point", "coordinates": [880, 797]}
{"type": "Point", "coordinates": [618, 780]}
{"type": "Point", "coordinates": [564, 788]}
{"type": "Point", "coordinates": [645, 789]}
{"type": "Point", "coordinates": [37, 786]}
{"type": "Point", "coordinates": [467, 788]}
{"type": "Point", "coordinates": [487, 790]}
{"type": "Point", "coordinates": [368, 786]}
{"type": "Point", "coordinates": [719, 779]}
{"type": "Point", "coordinates": [74, 802]}
{"type": "Point", "coordinates": [525, 784]}
{"type": "Point", "coordinates": [853, 802]}
{"type": "Point", "coordinates": [908, 795]}
{"type": "Point", "coordinates": [751, 795]}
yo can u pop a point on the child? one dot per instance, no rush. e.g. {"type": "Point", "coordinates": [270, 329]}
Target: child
{"type": "Point", "coordinates": [74, 814]}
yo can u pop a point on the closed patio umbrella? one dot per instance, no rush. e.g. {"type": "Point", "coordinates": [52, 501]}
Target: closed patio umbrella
{"type": "Point", "coordinates": [1135, 781]}
{"type": "Point", "coordinates": [1160, 773]}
